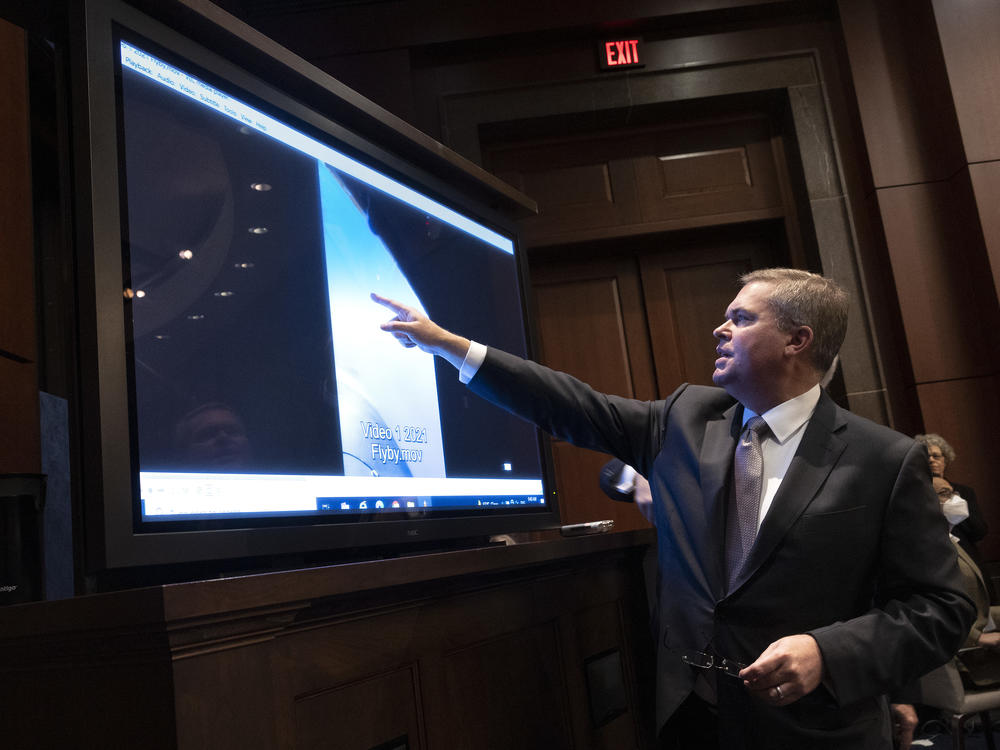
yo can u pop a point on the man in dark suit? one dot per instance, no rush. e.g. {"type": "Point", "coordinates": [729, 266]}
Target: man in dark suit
{"type": "Point", "coordinates": [797, 588]}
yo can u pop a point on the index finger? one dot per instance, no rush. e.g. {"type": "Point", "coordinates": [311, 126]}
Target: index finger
{"type": "Point", "coordinates": [396, 307]}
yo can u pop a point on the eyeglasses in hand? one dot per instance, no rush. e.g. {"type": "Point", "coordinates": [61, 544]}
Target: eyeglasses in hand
{"type": "Point", "coordinates": [701, 660]}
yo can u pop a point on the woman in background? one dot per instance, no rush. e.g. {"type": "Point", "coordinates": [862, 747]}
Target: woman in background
{"type": "Point", "coordinates": [972, 529]}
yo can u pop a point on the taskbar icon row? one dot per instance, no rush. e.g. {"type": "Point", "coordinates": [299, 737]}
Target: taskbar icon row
{"type": "Point", "coordinates": [355, 504]}
{"type": "Point", "coordinates": [369, 504]}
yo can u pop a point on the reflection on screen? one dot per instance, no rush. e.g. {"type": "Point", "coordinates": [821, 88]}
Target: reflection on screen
{"type": "Point", "coordinates": [262, 383]}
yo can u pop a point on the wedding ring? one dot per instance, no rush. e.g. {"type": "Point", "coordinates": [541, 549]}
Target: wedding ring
{"type": "Point", "coordinates": [777, 691]}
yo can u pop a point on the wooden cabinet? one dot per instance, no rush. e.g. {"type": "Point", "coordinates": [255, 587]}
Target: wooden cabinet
{"type": "Point", "coordinates": [484, 648]}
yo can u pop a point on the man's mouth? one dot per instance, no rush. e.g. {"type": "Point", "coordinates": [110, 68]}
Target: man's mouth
{"type": "Point", "coordinates": [723, 356]}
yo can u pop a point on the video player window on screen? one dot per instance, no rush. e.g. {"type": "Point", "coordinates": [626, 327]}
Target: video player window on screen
{"type": "Point", "coordinates": [262, 383]}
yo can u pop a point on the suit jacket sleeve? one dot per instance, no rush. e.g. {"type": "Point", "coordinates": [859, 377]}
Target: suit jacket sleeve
{"type": "Point", "coordinates": [569, 409]}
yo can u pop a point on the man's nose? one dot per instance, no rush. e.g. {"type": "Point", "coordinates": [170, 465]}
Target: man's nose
{"type": "Point", "coordinates": [722, 331]}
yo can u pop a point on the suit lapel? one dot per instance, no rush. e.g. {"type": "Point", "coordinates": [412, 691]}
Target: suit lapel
{"type": "Point", "coordinates": [816, 456]}
{"type": "Point", "coordinates": [716, 463]}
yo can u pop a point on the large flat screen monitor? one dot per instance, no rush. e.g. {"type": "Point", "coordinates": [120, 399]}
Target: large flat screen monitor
{"type": "Point", "coordinates": [248, 402]}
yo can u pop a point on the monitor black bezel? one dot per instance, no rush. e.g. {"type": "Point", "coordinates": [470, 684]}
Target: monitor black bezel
{"type": "Point", "coordinates": [108, 466]}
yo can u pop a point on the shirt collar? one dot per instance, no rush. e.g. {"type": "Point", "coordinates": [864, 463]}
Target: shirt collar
{"type": "Point", "coordinates": [786, 418]}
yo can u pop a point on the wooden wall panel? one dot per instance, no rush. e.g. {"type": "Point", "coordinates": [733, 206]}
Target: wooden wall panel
{"type": "Point", "coordinates": [685, 305]}
{"type": "Point", "coordinates": [599, 632]}
{"type": "Point", "coordinates": [943, 279]}
{"type": "Point", "coordinates": [89, 694]}
{"type": "Point", "coordinates": [902, 90]}
{"type": "Point", "coordinates": [20, 449]}
{"type": "Point", "coordinates": [363, 715]}
{"type": "Point", "coordinates": [675, 182]}
{"type": "Point", "coordinates": [571, 344]}
{"type": "Point", "coordinates": [508, 693]}
{"type": "Point", "coordinates": [579, 185]}
{"type": "Point", "coordinates": [927, 76]}
{"type": "Point", "coordinates": [644, 179]}
{"type": "Point", "coordinates": [970, 41]}
{"type": "Point", "coordinates": [246, 717]}
{"type": "Point", "coordinates": [574, 196]}
{"type": "Point", "coordinates": [329, 658]}
{"type": "Point", "coordinates": [17, 270]}
{"type": "Point", "coordinates": [687, 293]}
{"type": "Point", "coordinates": [986, 186]}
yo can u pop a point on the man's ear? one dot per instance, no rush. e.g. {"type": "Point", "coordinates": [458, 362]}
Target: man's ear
{"type": "Point", "coordinates": [799, 340]}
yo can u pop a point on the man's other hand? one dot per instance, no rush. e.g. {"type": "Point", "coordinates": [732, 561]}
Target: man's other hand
{"type": "Point", "coordinates": [788, 669]}
{"type": "Point", "coordinates": [904, 724]}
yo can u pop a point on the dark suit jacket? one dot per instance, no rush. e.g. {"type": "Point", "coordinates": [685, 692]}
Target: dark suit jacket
{"type": "Point", "coordinates": [854, 551]}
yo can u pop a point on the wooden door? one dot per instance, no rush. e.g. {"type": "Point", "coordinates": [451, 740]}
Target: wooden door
{"type": "Point", "coordinates": [591, 323]}
{"type": "Point", "coordinates": [687, 289]}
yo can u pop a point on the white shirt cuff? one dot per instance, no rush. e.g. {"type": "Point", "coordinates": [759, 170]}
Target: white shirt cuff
{"type": "Point", "coordinates": [473, 361]}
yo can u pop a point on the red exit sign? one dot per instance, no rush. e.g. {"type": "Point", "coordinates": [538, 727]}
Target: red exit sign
{"type": "Point", "coordinates": [621, 53]}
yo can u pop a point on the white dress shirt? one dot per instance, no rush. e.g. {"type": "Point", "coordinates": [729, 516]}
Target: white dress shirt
{"type": "Point", "coordinates": [787, 422]}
